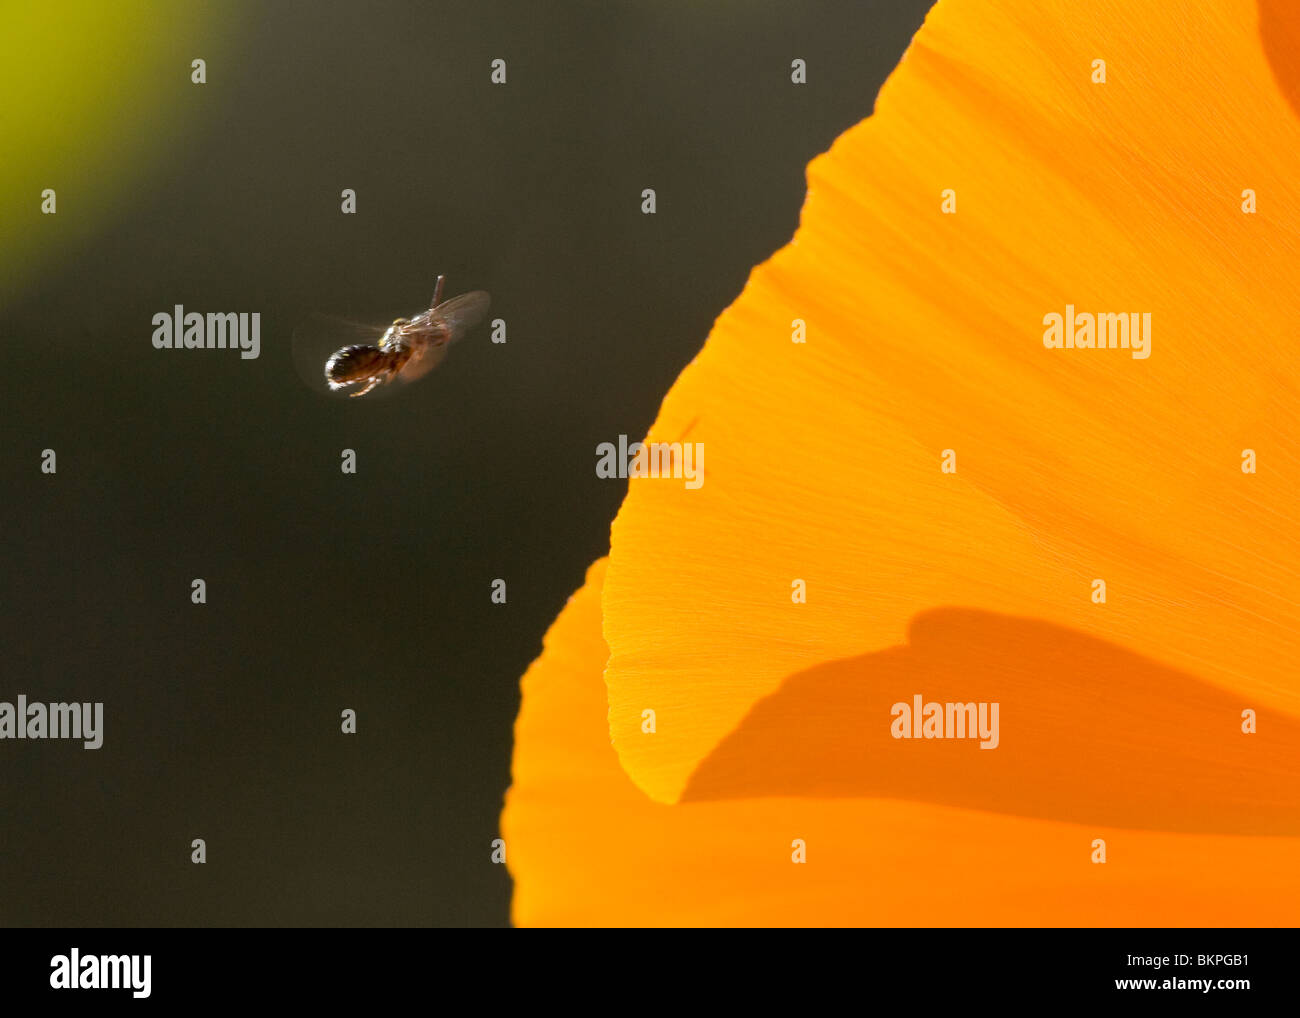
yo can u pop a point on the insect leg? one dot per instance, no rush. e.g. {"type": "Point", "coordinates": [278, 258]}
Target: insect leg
{"type": "Point", "coordinates": [437, 292]}
{"type": "Point", "coordinates": [374, 380]}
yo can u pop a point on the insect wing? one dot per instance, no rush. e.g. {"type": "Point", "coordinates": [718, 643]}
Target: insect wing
{"type": "Point", "coordinates": [460, 314]}
{"type": "Point", "coordinates": [449, 321]}
{"type": "Point", "coordinates": [425, 356]}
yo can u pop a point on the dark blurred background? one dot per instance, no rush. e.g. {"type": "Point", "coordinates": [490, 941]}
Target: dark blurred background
{"type": "Point", "coordinates": [369, 592]}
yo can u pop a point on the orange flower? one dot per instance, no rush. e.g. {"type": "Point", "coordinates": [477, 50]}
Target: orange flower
{"type": "Point", "coordinates": [586, 847]}
{"type": "Point", "coordinates": [1026, 161]}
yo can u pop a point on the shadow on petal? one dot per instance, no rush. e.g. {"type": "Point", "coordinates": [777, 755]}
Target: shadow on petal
{"type": "Point", "coordinates": [1279, 30]}
{"type": "Point", "coordinates": [1089, 733]}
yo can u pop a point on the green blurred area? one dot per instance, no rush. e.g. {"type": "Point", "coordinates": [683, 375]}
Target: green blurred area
{"type": "Point", "coordinates": [94, 93]}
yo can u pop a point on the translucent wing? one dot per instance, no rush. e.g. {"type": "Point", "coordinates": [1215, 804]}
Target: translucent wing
{"type": "Point", "coordinates": [447, 322]}
{"type": "Point", "coordinates": [424, 358]}
{"type": "Point", "coordinates": [460, 314]}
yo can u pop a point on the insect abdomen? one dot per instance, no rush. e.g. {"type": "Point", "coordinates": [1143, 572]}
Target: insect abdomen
{"type": "Point", "coordinates": [352, 364]}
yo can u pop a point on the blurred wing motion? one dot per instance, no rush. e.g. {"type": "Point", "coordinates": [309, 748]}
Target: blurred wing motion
{"type": "Point", "coordinates": [460, 314]}
{"type": "Point", "coordinates": [424, 358]}
{"type": "Point", "coordinates": [449, 321]}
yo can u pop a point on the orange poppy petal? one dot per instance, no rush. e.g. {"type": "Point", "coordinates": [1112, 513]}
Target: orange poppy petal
{"type": "Point", "coordinates": [924, 333]}
{"type": "Point", "coordinates": [585, 847]}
